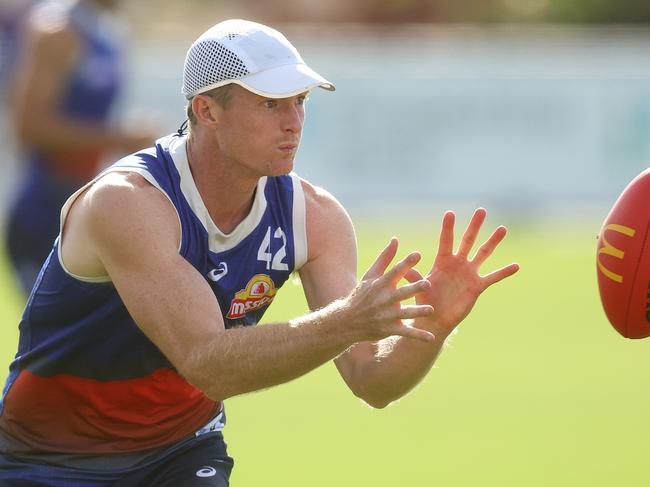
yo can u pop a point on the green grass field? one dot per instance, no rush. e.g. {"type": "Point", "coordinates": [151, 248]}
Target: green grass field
{"type": "Point", "coordinates": [535, 389]}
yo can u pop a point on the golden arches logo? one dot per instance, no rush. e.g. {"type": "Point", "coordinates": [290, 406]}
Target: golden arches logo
{"type": "Point", "coordinates": [609, 249]}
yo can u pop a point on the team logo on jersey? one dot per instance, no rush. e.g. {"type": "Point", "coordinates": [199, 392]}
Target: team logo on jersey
{"type": "Point", "coordinates": [259, 292]}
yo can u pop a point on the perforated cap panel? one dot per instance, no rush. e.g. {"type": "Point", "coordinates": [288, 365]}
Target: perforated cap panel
{"type": "Point", "coordinates": [252, 55]}
{"type": "Point", "coordinates": [209, 62]}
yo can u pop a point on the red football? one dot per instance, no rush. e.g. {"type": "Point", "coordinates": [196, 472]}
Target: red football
{"type": "Point", "coordinates": [623, 260]}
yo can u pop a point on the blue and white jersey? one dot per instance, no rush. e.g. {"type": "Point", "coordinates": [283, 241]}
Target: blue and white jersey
{"type": "Point", "coordinates": [86, 379]}
{"type": "Point", "coordinates": [247, 266]}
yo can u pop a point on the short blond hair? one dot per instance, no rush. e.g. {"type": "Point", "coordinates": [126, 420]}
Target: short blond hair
{"type": "Point", "coordinates": [221, 95]}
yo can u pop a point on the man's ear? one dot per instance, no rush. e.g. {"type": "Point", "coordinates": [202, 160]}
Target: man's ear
{"type": "Point", "coordinates": [206, 110]}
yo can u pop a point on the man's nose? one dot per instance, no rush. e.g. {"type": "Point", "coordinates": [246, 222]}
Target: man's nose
{"type": "Point", "coordinates": [294, 118]}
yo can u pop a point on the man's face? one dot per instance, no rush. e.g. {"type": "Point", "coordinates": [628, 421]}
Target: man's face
{"type": "Point", "coordinates": [261, 134]}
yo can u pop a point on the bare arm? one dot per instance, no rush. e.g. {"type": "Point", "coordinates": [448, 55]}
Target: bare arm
{"type": "Point", "coordinates": [50, 52]}
{"type": "Point", "coordinates": [130, 230]}
{"type": "Point", "coordinates": [379, 371]}
{"type": "Point", "coordinates": [382, 371]}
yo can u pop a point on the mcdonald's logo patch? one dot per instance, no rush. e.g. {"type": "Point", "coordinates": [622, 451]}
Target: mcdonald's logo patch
{"type": "Point", "coordinates": [259, 292]}
{"type": "Point", "coordinates": [609, 249]}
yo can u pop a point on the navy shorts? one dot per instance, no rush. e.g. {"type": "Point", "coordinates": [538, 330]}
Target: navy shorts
{"type": "Point", "coordinates": [200, 462]}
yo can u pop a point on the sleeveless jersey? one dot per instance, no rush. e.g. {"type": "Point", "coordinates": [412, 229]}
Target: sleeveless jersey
{"type": "Point", "coordinates": [86, 379]}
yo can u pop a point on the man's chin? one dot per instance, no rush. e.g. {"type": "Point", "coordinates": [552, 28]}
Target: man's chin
{"type": "Point", "coordinates": [283, 168]}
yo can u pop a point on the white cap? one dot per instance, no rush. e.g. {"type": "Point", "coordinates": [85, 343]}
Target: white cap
{"type": "Point", "coordinates": [252, 55]}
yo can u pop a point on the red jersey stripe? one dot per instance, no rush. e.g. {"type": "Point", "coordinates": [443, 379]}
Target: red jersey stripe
{"type": "Point", "coordinates": [75, 415]}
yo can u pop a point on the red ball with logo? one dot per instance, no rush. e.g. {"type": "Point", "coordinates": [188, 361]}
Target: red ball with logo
{"type": "Point", "coordinates": [623, 260]}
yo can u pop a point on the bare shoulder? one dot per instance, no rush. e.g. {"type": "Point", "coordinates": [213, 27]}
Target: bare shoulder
{"type": "Point", "coordinates": [51, 47]}
{"type": "Point", "coordinates": [320, 203]}
{"type": "Point", "coordinates": [49, 26]}
{"type": "Point", "coordinates": [118, 212]}
{"type": "Point", "coordinates": [126, 200]}
{"type": "Point", "coordinates": [328, 223]}
{"type": "Point", "coordinates": [114, 186]}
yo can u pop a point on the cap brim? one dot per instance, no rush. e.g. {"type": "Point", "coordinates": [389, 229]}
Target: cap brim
{"type": "Point", "coordinates": [280, 82]}
{"type": "Point", "coordinates": [284, 81]}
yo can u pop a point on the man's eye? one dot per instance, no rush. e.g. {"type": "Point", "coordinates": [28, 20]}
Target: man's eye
{"type": "Point", "coordinates": [301, 100]}
{"type": "Point", "coordinates": [269, 103]}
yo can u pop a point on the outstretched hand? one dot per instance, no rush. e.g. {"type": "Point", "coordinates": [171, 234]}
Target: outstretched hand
{"type": "Point", "coordinates": [376, 300]}
{"type": "Point", "coordinates": [443, 298]}
{"type": "Point", "coordinates": [455, 280]}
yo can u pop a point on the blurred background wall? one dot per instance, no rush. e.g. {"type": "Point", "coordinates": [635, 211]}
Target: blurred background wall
{"type": "Point", "coordinates": [535, 108]}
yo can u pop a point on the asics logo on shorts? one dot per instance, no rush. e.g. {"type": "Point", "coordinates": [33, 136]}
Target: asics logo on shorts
{"type": "Point", "coordinates": [206, 472]}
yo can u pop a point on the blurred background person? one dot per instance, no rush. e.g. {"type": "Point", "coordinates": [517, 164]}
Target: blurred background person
{"type": "Point", "coordinates": [66, 76]}
{"type": "Point", "coordinates": [11, 15]}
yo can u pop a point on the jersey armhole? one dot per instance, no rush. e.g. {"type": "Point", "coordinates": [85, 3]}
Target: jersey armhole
{"type": "Point", "coordinates": [299, 224]}
{"type": "Point", "coordinates": [68, 204]}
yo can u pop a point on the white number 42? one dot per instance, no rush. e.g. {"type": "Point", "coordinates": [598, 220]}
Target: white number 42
{"type": "Point", "coordinates": [274, 262]}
